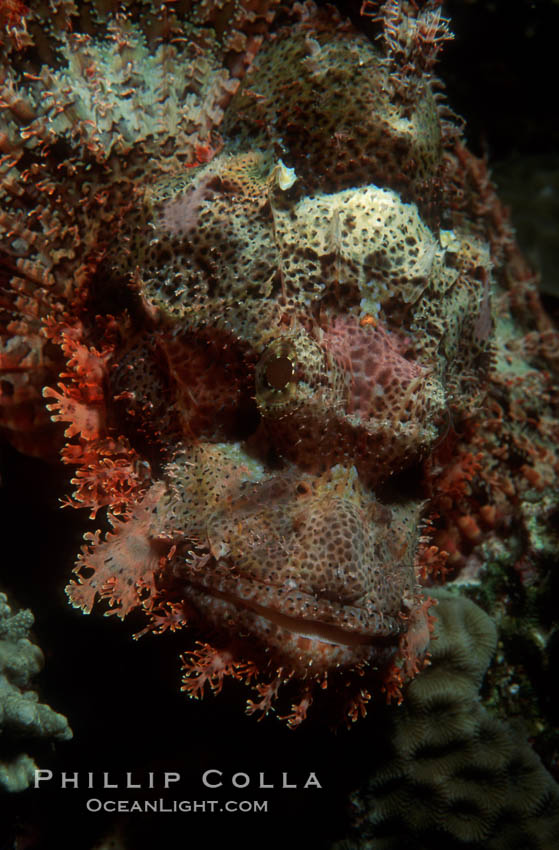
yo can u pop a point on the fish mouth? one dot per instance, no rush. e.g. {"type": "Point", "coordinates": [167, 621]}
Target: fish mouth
{"type": "Point", "coordinates": [381, 628]}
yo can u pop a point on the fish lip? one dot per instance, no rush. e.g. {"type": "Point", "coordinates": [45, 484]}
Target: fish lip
{"type": "Point", "coordinates": [309, 627]}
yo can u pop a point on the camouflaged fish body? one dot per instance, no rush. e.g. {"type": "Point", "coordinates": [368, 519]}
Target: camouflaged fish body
{"type": "Point", "coordinates": [294, 309]}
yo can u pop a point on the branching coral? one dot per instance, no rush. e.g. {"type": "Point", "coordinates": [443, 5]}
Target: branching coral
{"type": "Point", "coordinates": [22, 716]}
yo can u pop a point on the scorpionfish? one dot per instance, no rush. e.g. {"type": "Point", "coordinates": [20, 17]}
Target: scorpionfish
{"type": "Point", "coordinates": [245, 262]}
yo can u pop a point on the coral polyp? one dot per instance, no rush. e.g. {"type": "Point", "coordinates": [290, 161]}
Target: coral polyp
{"type": "Point", "coordinates": [251, 268]}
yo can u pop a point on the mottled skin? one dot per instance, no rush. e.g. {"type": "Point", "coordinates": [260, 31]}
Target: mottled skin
{"type": "Point", "coordinates": [268, 302]}
{"type": "Point", "coordinates": [293, 319]}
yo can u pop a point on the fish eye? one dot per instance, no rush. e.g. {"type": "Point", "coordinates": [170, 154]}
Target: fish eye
{"type": "Point", "coordinates": [292, 372]}
{"type": "Point", "coordinates": [277, 378]}
{"type": "Point", "coordinates": [279, 372]}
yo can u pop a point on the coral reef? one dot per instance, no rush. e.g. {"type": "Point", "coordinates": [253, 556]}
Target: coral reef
{"type": "Point", "coordinates": [22, 716]}
{"type": "Point", "coordinates": [300, 365]}
{"type": "Point", "coordinates": [456, 776]}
